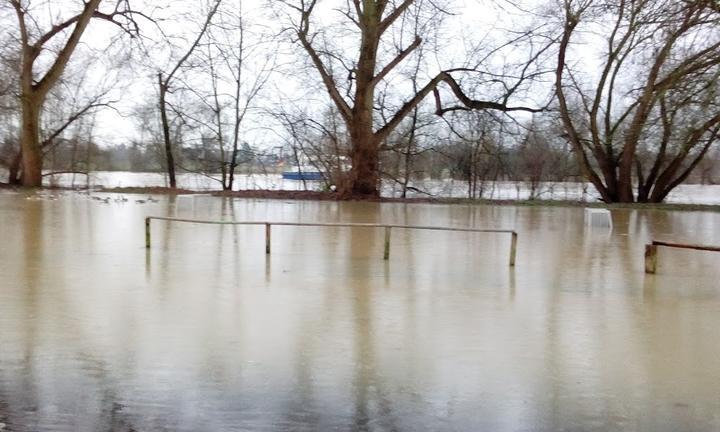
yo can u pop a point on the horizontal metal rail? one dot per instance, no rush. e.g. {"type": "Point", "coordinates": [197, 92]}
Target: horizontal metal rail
{"type": "Point", "coordinates": [651, 252]}
{"type": "Point", "coordinates": [387, 227]}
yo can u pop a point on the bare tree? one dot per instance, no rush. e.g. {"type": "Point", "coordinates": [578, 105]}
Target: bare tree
{"type": "Point", "coordinates": [373, 22]}
{"type": "Point", "coordinates": [72, 151]}
{"type": "Point", "coordinates": [9, 107]}
{"type": "Point", "coordinates": [477, 149]}
{"type": "Point", "coordinates": [405, 144]}
{"type": "Point", "coordinates": [233, 68]}
{"type": "Point", "coordinates": [539, 159]}
{"type": "Point", "coordinates": [150, 142]}
{"type": "Point", "coordinates": [709, 168]}
{"type": "Point", "coordinates": [653, 111]}
{"type": "Point", "coordinates": [41, 68]}
{"type": "Point", "coordinates": [318, 143]}
{"type": "Point", "coordinates": [412, 139]}
{"type": "Point", "coordinates": [165, 82]}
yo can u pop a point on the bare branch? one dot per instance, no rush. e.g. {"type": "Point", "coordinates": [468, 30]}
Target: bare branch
{"type": "Point", "coordinates": [394, 15]}
{"type": "Point", "coordinates": [396, 61]}
{"type": "Point", "coordinates": [328, 80]}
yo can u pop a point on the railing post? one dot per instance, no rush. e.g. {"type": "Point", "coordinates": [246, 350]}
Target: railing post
{"type": "Point", "coordinates": [267, 239]}
{"type": "Point", "coordinates": [650, 254]}
{"type": "Point", "coordinates": [650, 258]}
{"type": "Point", "coordinates": [386, 253]}
{"type": "Point", "coordinates": [513, 248]}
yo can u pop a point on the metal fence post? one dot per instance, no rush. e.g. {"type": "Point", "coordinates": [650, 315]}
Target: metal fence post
{"type": "Point", "coordinates": [513, 248]}
{"type": "Point", "coordinates": [650, 258]}
{"type": "Point", "coordinates": [147, 233]}
{"type": "Point", "coordinates": [267, 239]}
{"type": "Point", "coordinates": [386, 253]}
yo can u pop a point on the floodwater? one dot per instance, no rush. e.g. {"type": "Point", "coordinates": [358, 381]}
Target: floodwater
{"type": "Point", "coordinates": [203, 332]}
{"type": "Point", "coordinates": [449, 188]}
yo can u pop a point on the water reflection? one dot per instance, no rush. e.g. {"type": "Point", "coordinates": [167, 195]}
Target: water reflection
{"type": "Point", "coordinates": [206, 332]}
{"type": "Point", "coordinates": [500, 190]}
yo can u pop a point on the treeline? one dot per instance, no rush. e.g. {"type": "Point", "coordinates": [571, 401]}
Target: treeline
{"type": "Point", "coordinates": [622, 94]}
{"type": "Point", "coordinates": [84, 157]}
{"type": "Point", "coordinates": [532, 159]}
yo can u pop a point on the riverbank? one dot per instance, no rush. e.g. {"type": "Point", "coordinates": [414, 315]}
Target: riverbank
{"type": "Point", "coordinates": [432, 189]}
{"type": "Point", "coordinates": [331, 196]}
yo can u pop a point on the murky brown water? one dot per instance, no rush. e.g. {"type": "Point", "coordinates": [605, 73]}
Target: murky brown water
{"type": "Point", "coordinates": [206, 333]}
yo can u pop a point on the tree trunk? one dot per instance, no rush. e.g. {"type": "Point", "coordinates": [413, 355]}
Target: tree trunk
{"type": "Point", "coordinates": [169, 158]}
{"type": "Point", "coordinates": [364, 172]}
{"type": "Point", "coordinates": [408, 168]}
{"type": "Point", "coordinates": [30, 143]}
{"type": "Point", "coordinates": [14, 171]}
{"type": "Point", "coordinates": [233, 165]}
{"type": "Point", "coordinates": [624, 184]}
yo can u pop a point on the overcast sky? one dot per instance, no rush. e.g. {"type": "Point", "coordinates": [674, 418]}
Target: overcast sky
{"type": "Point", "coordinates": [470, 22]}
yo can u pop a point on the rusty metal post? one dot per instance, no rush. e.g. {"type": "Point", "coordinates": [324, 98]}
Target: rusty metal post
{"type": "Point", "coordinates": [513, 248]}
{"type": "Point", "coordinates": [267, 239]}
{"type": "Point", "coordinates": [650, 258]}
{"type": "Point", "coordinates": [386, 253]}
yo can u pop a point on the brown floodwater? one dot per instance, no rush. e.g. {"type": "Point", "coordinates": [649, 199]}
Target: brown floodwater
{"type": "Point", "coordinates": [203, 332]}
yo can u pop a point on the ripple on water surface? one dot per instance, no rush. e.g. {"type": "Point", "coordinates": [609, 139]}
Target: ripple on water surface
{"type": "Point", "coordinates": [204, 332]}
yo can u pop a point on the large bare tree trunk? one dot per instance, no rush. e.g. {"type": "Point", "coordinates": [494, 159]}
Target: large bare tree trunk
{"type": "Point", "coordinates": [30, 143]}
{"type": "Point", "coordinates": [365, 158]}
{"type": "Point", "coordinates": [365, 145]}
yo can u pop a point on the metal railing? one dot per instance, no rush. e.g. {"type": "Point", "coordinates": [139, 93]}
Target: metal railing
{"type": "Point", "coordinates": [387, 227]}
{"type": "Point", "coordinates": [651, 252]}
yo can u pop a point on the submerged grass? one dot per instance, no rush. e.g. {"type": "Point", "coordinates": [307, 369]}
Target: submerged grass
{"type": "Point", "coordinates": [331, 196]}
{"type": "Point", "coordinates": [326, 196]}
